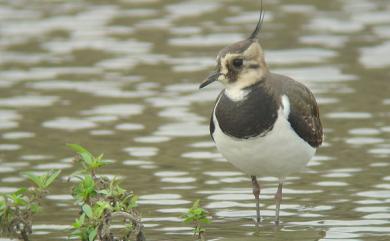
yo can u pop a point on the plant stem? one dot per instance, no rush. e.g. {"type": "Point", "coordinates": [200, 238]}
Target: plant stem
{"type": "Point", "coordinates": [202, 236]}
{"type": "Point", "coordinates": [24, 235]}
{"type": "Point", "coordinates": [141, 236]}
{"type": "Point", "coordinates": [125, 215]}
{"type": "Point", "coordinates": [134, 220]}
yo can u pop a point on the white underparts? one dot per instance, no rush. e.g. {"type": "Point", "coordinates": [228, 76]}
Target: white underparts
{"type": "Point", "coordinates": [280, 152]}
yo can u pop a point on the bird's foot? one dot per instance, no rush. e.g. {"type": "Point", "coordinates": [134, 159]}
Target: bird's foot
{"type": "Point", "coordinates": [257, 222]}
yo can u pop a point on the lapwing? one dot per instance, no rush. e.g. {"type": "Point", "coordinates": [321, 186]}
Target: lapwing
{"type": "Point", "coordinates": [265, 124]}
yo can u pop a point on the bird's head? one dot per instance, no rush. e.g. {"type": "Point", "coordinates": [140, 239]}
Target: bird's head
{"type": "Point", "coordinates": [240, 64]}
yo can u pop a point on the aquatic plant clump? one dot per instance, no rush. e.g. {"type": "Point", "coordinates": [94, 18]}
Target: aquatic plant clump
{"type": "Point", "coordinates": [102, 201]}
{"type": "Point", "coordinates": [197, 216]}
{"type": "Point", "coordinates": [17, 208]}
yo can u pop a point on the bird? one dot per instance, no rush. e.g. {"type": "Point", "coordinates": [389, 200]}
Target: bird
{"type": "Point", "coordinates": [265, 124]}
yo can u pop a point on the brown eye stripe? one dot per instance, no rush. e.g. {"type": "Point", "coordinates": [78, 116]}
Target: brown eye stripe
{"type": "Point", "coordinates": [254, 66]}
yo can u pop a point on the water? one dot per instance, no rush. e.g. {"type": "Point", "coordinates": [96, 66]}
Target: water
{"type": "Point", "coordinates": [121, 78]}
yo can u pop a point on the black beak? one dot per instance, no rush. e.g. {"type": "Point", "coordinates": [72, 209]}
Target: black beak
{"type": "Point", "coordinates": [210, 79]}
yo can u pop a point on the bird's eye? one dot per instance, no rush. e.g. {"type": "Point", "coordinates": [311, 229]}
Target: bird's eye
{"type": "Point", "coordinates": [238, 62]}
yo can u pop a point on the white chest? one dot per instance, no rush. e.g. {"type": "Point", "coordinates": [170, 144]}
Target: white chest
{"type": "Point", "coordinates": [280, 152]}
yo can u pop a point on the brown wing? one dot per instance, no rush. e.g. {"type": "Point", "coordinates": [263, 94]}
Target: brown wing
{"type": "Point", "coordinates": [304, 114]}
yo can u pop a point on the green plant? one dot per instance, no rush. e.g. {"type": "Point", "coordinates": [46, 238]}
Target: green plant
{"type": "Point", "coordinates": [86, 226]}
{"type": "Point", "coordinates": [101, 200]}
{"type": "Point", "coordinates": [89, 162]}
{"type": "Point", "coordinates": [42, 181]}
{"type": "Point", "coordinates": [197, 216]}
{"type": "Point", "coordinates": [85, 189]}
{"type": "Point", "coordinates": [18, 208]}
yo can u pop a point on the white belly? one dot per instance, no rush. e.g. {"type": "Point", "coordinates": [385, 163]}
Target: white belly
{"type": "Point", "coordinates": [277, 154]}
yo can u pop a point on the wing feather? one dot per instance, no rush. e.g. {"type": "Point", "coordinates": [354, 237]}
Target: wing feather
{"type": "Point", "coordinates": [304, 114]}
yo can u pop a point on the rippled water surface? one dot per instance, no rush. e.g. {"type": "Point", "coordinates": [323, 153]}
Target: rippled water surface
{"type": "Point", "coordinates": [121, 77]}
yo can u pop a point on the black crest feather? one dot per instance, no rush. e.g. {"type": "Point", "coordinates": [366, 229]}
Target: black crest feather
{"type": "Point", "coordinates": [259, 23]}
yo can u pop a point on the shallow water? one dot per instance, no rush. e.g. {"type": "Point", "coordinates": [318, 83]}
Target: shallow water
{"type": "Point", "coordinates": [122, 77]}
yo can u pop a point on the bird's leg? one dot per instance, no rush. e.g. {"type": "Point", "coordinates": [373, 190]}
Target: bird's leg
{"type": "Point", "coordinates": [256, 193]}
{"type": "Point", "coordinates": [278, 199]}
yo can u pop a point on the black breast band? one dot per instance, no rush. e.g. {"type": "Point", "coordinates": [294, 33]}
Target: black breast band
{"type": "Point", "coordinates": [253, 116]}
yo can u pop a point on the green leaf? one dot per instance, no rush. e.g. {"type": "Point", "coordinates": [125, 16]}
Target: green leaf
{"type": "Point", "coordinates": [106, 162]}
{"type": "Point", "coordinates": [87, 158]}
{"type": "Point", "coordinates": [99, 208]}
{"type": "Point", "coordinates": [198, 211]}
{"type": "Point", "coordinates": [82, 219]}
{"type": "Point", "coordinates": [85, 189]}
{"type": "Point", "coordinates": [188, 220]}
{"type": "Point", "coordinates": [42, 181]}
{"type": "Point", "coordinates": [196, 215]}
{"type": "Point", "coordinates": [52, 175]}
{"type": "Point", "coordinates": [99, 158]}
{"type": "Point", "coordinates": [77, 174]}
{"type": "Point", "coordinates": [75, 233]}
{"type": "Point", "coordinates": [84, 153]}
{"type": "Point", "coordinates": [87, 210]}
{"type": "Point", "coordinates": [196, 204]}
{"type": "Point", "coordinates": [77, 148]}
{"type": "Point", "coordinates": [205, 220]}
{"type": "Point", "coordinates": [2, 208]}
{"type": "Point", "coordinates": [103, 204]}
{"type": "Point", "coordinates": [76, 224]}
{"type": "Point", "coordinates": [92, 235]}
{"type": "Point", "coordinates": [133, 202]}
{"type": "Point", "coordinates": [17, 199]}
{"type": "Point", "coordinates": [37, 180]}
{"type": "Point", "coordinates": [20, 191]}
{"type": "Point", "coordinates": [89, 183]}
{"type": "Point", "coordinates": [35, 208]}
